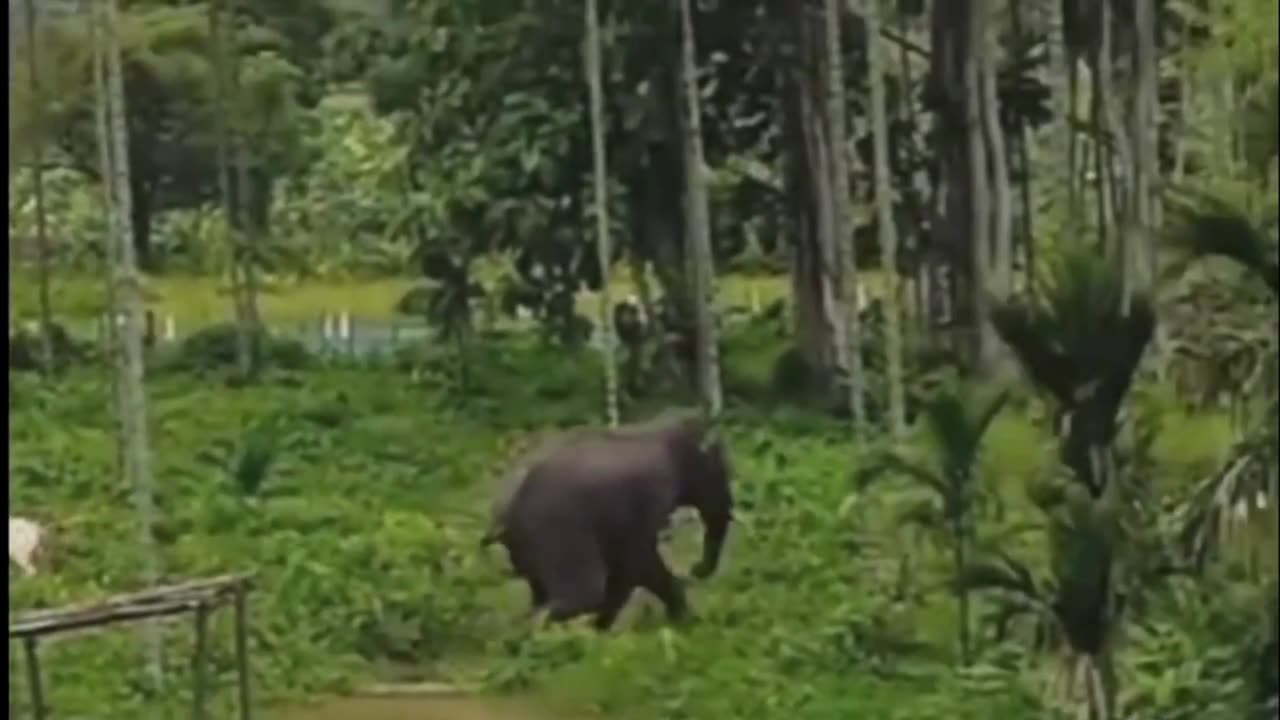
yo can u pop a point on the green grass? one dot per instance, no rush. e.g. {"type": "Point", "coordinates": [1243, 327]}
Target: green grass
{"type": "Point", "coordinates": [363, 536]}
{"type": "Point", "coordinates": [198, 301]}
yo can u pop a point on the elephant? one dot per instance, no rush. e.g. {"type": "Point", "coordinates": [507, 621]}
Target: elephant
{"type": "Point", "coordinates": [581, 517]}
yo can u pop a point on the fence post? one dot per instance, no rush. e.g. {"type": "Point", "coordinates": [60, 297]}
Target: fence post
{"type": "Point", "coordinates": [348, 333]}
{"type": "Point", "coordinates": [198, 663]}
{"type": "Point", "coordinates": [33, 677]}
{"type": "Point", "coordinates": [170, 328]}
{"type": "Point", "coordinates": [242, 650]}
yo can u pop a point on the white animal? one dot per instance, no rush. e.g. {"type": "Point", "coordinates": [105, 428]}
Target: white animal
{"type": "Point", "coordinates": [25, 542]}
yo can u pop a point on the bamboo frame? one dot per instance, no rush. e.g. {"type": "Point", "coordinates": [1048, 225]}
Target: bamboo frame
{"type": "Point", "coordinates": [200, 597]}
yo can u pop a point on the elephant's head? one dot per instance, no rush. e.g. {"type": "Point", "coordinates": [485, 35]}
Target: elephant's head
{"type": "Point", "coordinates": [705, 487]}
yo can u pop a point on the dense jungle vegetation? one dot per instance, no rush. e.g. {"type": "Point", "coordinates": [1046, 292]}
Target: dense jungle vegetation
{"type": "Point", "coordinates": [981, 293]}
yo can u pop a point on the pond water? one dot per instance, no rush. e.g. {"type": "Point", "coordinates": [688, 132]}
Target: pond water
{"type": "Point", "coordinates": [359, 337]}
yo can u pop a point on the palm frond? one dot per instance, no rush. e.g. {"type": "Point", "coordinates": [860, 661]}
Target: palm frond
{"type": "Point", "coordinates": [922, 513]}
{"type": "Point", "coordinates": [891, 463]}
{"type": "Point", "coordinates": [987, 413]}
{"type": "Point", "coordinates": [957, 417]}
{"type": "Point", "coordinates": [1210, 226]}
{"type": "Point", "coordinates": [1075, 331]}
{"type": "Point", "coordinates": [1005, 576]}
{"type": "Point", "coordinates": [1240, 491]}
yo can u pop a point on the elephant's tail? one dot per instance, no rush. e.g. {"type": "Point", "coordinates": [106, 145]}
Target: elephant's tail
{"type": "Point", "coordinates": [491, 536]}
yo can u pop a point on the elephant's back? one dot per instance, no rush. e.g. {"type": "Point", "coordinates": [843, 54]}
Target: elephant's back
{"type": "Point", "coordinates": [596, 477]}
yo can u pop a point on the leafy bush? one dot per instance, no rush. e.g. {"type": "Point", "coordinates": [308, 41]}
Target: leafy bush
{"type": "Point", "coordinates": [358, 495]}
{"type": "Point", "coordinates": [213, 348]}
{"type": "Point", "coordinates": [25, 347]}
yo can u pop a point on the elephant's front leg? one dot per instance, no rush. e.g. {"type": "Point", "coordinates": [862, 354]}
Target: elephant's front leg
{"type": "Point", "coordinates": [618, 589]}
{"type": "Point", "coordinates": [537, 596]}
{"type": "Point", "coordinates": [658, 579]}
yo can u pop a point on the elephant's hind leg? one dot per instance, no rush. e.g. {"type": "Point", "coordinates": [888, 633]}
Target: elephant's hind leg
{"type": "Point", "coordinates": [572, 573]}
{"type": "Point", "coordinates": [524, 569]}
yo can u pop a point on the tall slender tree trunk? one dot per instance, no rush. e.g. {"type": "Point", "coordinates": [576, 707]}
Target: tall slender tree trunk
{"type": "Point", "coordinates": [822, 278]}
{"type": "Point", "coordinates": [1185, 106]}
{"type": "Point", "coordinates": [819, 330]}
{"type": "Point", "coordinates": [37, 185]}
{"type": "Point", "coordinates": [128, 295]}
{"type": "Point", "coordinates": [960, 559]}
{"type": "Point", "coordinates": [250, 229]}
{"type": "Point", "coordinates": [1026, 230]}
{"type": "Point", "coordinates": [106, 161]}
{"type": "Point", "coordinates": [985, 341]}
{"type": "Point", "coordinates": [1062, 83]}
{"type": "Point", "coordinates": [888, 229]}
{"type": "Point", "coordinates": [1119, 138]}
{"type": "Point", "coordinates": [221, 74]}
{"type": "Point", "coordinates": [1146, 129]}
{"type": "Point", "coordinates": [842, 239]}
{"type": "Point", "coordinates": [697, 219]}
{"type": "Point", "coordinates": [1103, 168]}
{"type": "Point", "coordinates": [594, 82]}
{"type": "Point", "coordinates": [923, 259]}
{"type": "Point", "coordinates": [1000, 281]}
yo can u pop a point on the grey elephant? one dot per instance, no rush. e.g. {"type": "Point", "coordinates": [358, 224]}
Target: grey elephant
{"type": "Point", "coordinates": [581, 515]}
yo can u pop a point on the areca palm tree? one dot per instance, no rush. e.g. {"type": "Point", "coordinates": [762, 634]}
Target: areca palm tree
{"type": "Point", "coordinates": [1075, 608]}
{"type": "Point", "coordinates": [955, 421]}
{"type": "Point", "coordinates": [1079, 338]}
{"type": "Point", "coordinates": [1079, 343]}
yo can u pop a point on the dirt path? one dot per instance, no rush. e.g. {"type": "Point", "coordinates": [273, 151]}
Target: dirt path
{"type": "Point", "coordinates": [410, 708]}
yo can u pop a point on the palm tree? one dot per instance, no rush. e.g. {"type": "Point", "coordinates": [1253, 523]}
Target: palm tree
{"type": "Point", "coordinates": [956, 420]}
{"type": "Point", "coordinates": [222, 83]}
{"type": "Point", "coordinates": [885, 224]}
{"type": "Point", "coordinates": [1080, 342]}
{"type": "Point", "coordinates": [1077, 343]}
{"type": "Point", "coordinates": [126, 295]}
{"type": "Point", "coordinates": [37, 184]}
{"type": "Point", "coordinates": [837, 196]}
{"type": "Point", "coordinates": [601, 179]}
{"type": "Point", "coordinates": [1074, 607]}
{"type": "Point", "coordinates": [697, 220]}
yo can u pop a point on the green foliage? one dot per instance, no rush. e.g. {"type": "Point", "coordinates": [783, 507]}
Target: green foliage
{"type": "Point", "coordinates": [358, 496]}
{"type": "Point", "coordinates": [954, 423]}
{"type": "Point", "coordinates": [1207, 225]}
{"type": "Point", "coordinates": [213, 349]}
{"type": "Point", "coordinates": [169, 88]}
{"type": "Point", "coordinates": [25, 349]}
{"type": "Point", "coordinates": [1079, 338]}
{"type": "Point", "coordinates": [316, 525]}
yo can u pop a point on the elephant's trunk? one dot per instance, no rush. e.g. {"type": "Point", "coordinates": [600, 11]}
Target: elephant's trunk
{"type": "Point", "coordinates": [716, 528]}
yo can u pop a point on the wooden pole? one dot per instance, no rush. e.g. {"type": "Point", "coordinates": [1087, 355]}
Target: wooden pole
{"type": "Point", "coordinates": [242, 650]}
{"type": "Point", "coordinates": [33, 678]}
{"type": "Point", "coordinates": [349, 327]}
{"type": "Point", "coordinates": [198, 663]}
